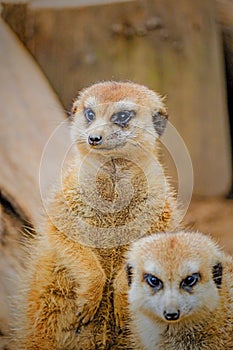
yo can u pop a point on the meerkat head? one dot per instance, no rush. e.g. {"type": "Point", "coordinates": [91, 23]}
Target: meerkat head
{"type": "Point", "coordinates": [111, 116]}
{"type": "Point", "coordinates": [174, 276]}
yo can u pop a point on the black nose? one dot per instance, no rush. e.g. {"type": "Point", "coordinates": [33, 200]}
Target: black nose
{"type": "Point", "coordinates": [95, 140]}
{"type": "Point", "coordinates": [172, 316]}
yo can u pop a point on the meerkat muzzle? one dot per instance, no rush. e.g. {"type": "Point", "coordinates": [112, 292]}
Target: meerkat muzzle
{"type": "Point", "coordinates": [172, 316]}
{"type": "Point", "coordinates": [95, 140]}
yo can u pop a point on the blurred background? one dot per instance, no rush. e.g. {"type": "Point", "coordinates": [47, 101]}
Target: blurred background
{"type": "Point", "coordinates": [50, 49]}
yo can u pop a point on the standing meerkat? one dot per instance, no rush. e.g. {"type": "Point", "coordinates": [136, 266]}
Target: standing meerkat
{"type": "Point", "coordinates": [74, 292]}
{"type": "Point", "coordinates": [181, 293]}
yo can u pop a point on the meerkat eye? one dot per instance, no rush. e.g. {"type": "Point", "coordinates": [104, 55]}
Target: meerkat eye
{"type": "Point", "coordinates": [190, 281]}
{"type": "Point", "coordinates": [89, 114]}
{"type": "Point", "coordinates": [123, 117]}
{"type": "Point", "coordinates": [153, 281]}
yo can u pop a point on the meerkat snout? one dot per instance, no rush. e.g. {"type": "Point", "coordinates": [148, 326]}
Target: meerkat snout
{"type": "Point", "coordinates": [117, 116]}
{"type": "Point", "coordinates": [171, 315]}
{"type": "Point", "coordinates": [95, 140]}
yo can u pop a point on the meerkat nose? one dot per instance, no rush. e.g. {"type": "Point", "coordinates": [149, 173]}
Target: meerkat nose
{"type": "Point", "coordinates": [95, 140]}
{"type": "Point", "coordinates": [172, 316]}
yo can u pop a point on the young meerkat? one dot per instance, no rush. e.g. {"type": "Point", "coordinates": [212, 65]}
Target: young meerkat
{"type": "Point", "coordinates": [181, 293]}
{"type": "Point", "coordinates": [75, 289]}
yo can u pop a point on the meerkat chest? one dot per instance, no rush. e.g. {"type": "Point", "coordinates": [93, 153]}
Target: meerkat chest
{"type": "Point", "coordinates": [158, 336]}
{"type": "Point", "coordinates": [111, 260]}
{"type": "Point", "coordinates": [116, 186]}
{"type": "Point", "coordinates": [191, 337]}
{"type": "Point", "coordinates": [105, 209]}
{"type": "Point", "coordinates": [150, 335]}
{"type": "Point", "coordinates": [111, 205]}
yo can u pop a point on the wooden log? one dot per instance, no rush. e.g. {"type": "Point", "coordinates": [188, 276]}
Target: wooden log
{"type": "Point", "coordinates": [30, 112]}
{"type": "Point", "coordinates": [63, 3]}
{"type": "Point", "coordinates": [174, 47]}
{"type": "Point", "coordinates": [12, 226]}
{"type": "Point", "coordinates": [70, 3]}
{"type": "Point", "coordinates": [225, 13]}
{"type": "Point", "coordinates": [225, 18]}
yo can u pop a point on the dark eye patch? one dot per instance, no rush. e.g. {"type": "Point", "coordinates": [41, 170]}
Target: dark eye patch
{"type": "Point", "coordinates": [89, 115]}
{"type": "Point", "coordinates": [217, 274]}
{"type": "Point", "coordinates": [123, 117]}
{"type": "Point", "coordinates": [129, 272]}
{"type": "Point", "coordinates": [154, 282]}
{"type": "Point", "coordinates": [190, 281]}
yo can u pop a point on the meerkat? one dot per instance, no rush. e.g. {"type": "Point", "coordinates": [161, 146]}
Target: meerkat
{"type": "Point", "coordinates": [181, 293]}
{"type": "Point", "coordinates": [74, 292]}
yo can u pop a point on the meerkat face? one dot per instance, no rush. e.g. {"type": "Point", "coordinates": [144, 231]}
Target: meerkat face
{"type": "Point", "coordinates": [174, 276]}
{"type": "Point", "coordinates": [111, 116]}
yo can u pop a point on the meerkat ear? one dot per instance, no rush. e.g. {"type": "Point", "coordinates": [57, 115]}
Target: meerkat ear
{"type": "Point", "coordinates": [71, 113]}
{"type": "Point", "coordinates": [129, 272]}
{"type": "Point", "coordinates": [159, 121]}
{"type": "Point", "coordinates": [217, 274]}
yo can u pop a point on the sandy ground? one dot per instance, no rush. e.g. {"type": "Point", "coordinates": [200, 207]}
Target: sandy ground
{"type": "Point", "coordinates": [213, 216]}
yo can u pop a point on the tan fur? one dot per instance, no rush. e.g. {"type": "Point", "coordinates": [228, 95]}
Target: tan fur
{"type": "Point", "coordinates": [206, 309]}
{"type": "Point", "coordinates": [75, 287]}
